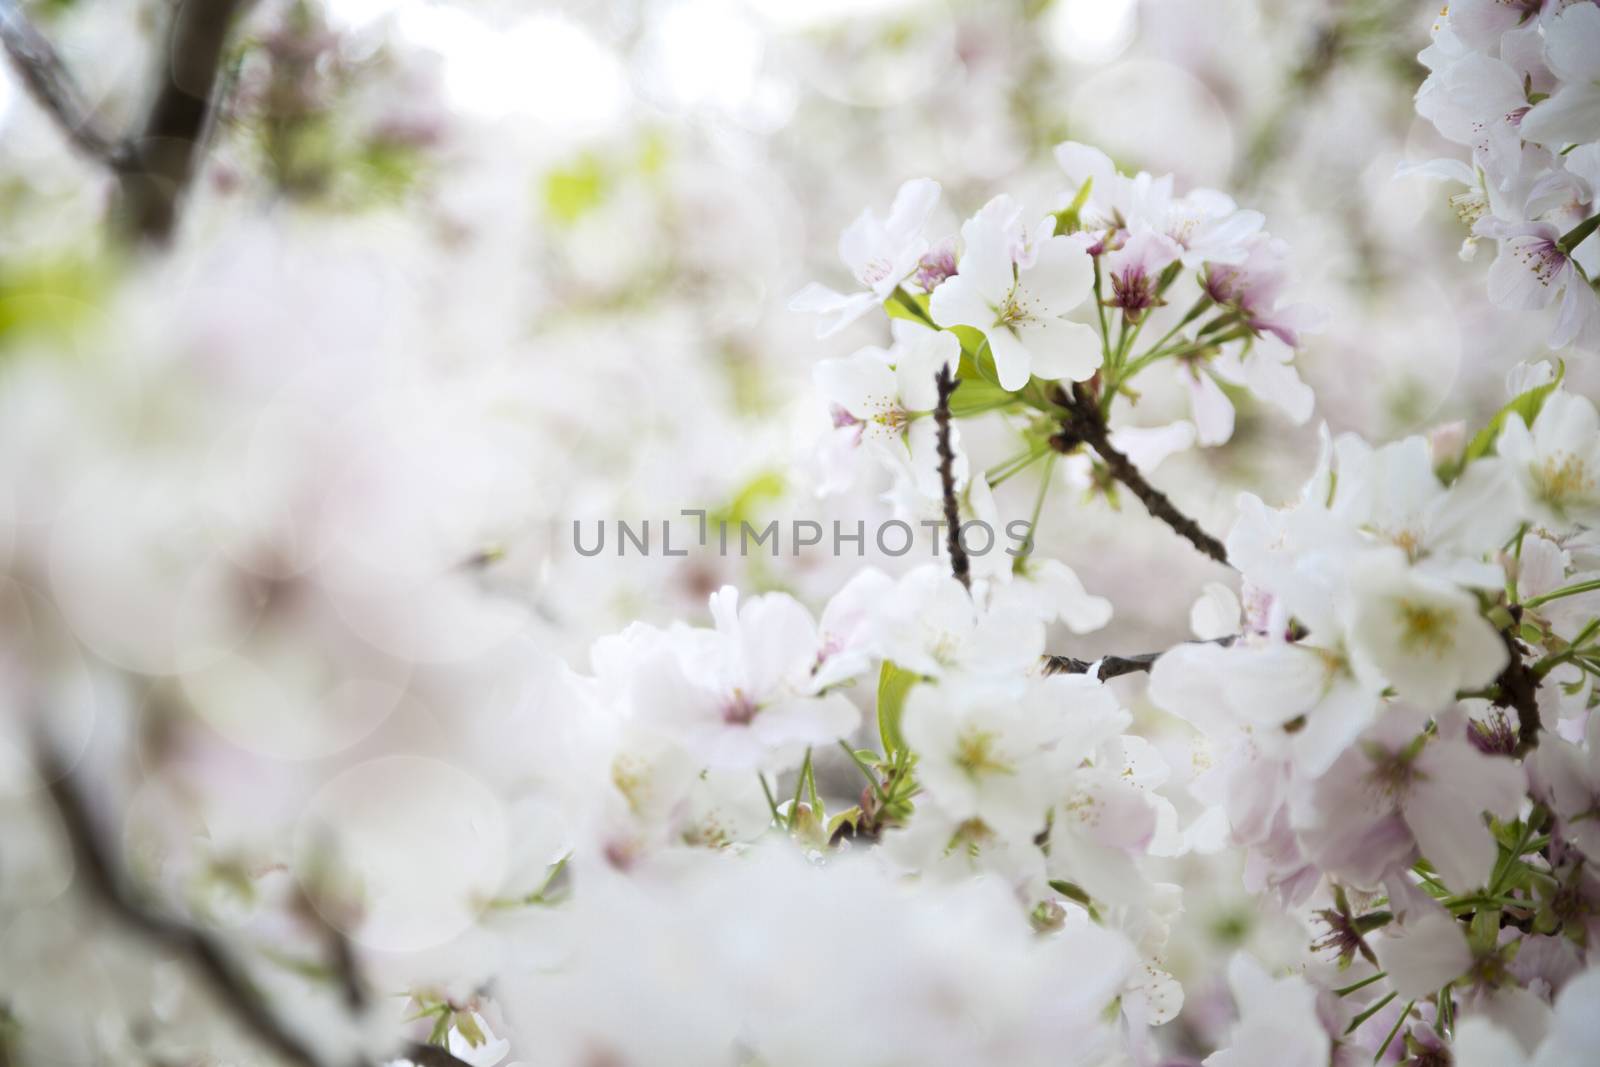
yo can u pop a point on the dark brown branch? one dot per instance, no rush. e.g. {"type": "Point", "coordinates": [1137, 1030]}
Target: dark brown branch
{"type": "Point", "coordinates": [1085, 425]}
{"type": "Point", "coordinates": [1113, 666]}
{"type": "Point", "coordinates": [431, 1055]}
{"type": "Point", "coordinates": [179, 119]}
{"type": "Point", "coordinates": [229, 982]}
{"type": "Point", "coordinates": [154, 165]}
{"type": "Point", "coordinates": [1518, 688]}
{"type": "Point", "coordinates": [50, 83]}
{"type": "Point", "coordinates": [227, 979]}
{"type": "Point", "coordinates": [960, 566]}
{"type": "Point", "coordinates": [1110, 666]}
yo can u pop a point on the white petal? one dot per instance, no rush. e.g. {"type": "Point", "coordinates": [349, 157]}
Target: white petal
{"type": "Point", "coordinates": [1425, 954]}
{"type": "Point", "coordinates": [1062, 349]}
{"type": "Point", "coordinates": [778, 641]}
{"type": "Point", "coordinates": [912, 205]}
{"type": "Point", "coordinates": [1013, 362]}
{"type": "Point", "coordinates": [1446, 808]}
{"type": "Point", "coordinates": [1213, 411]}
{"type": "Point", "coordinates": [919, 364]}
{"type": "Point", "coordinates": [958, 303]}
{"type": "Point", "coordinates": [1513, 283]}
{"type": "Point", "coordinates": [863, 385]}
{"type": "Point", "coordinates": [1216, 613]}
{"type": "Point", "coordinates": [837, 309]}
{"type": "Point", "coordinates": [1479, 1043]}
{"type": "Point", "coordinates": [1572, 48]}
{"type": "Point", "coordinates": [986, 260]}
{"type": "Point", "coordinates": [1061, 276]}
{"type": "Point", "coordinates": [1570, 116]}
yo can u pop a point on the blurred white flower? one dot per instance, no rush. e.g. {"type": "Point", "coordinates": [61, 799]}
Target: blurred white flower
{"type": "Point", "coordinates": [881, 253]}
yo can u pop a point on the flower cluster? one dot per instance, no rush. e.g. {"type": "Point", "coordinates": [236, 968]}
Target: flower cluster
{"type": "Point", "coordinates": [1018, 306]}
{"type": "Point", "coordinates": [309, 752]}
{"type": "Point", "coordinates": [1519, 85]}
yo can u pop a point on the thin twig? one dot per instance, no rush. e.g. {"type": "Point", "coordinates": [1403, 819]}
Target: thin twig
{"type": "Point", "coordinates": [1110, 666]}
{"type": "Point", "coordinates": [1085, 425]}
{"type": "Point", "coordinates": [425, 1055]}
{"type": "Point", "coordinates": [228, 981]}
{"type": "Point", "coordinates": [46, 77]}
{"type": "Point", "coordinates": [1114, 666]}
{"type": "Point", "coordinates": [960, 566]}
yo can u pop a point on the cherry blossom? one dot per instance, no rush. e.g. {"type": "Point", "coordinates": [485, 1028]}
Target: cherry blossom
{"type": "Point", "coordinates": [880, 253]}
{"type": "Point", "coordinates": [1018, 304]}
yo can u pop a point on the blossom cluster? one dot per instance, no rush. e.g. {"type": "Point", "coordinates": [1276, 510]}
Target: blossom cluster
{"type": "Point", "coordinates": [1388, 716]}
{"type": "Point", "coordinates": [302, 757]}
{"type": "Point", "coordinates": [1519, 85]}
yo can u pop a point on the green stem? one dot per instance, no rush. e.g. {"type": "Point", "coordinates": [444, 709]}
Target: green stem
{"type": "Point", "coordinates": [799, 788]}
{"type": "Point", "coordinates": [1378, 1056]}
{"type": "Point", "coordinates": [1564, 591]}
{"type": "Point", "coordinates": [1571, 652]}
{"type": "Point", "coordinates": [1045, 481]}
{"type": "Point", "coordinates": [1016, 464]}
{"type": "Point", "coordinates": [1369, 1013]}
{"type": "Point", "coordinates": [872, 779]}
{"type": "Point", "coordinates": [1578, 234]}
{"type": "Point", "coordinates": [540, 895]}
{"type": "Point", "coordinates": [1161, 342]}
{"type": "Point", "coordinates": [1100, 311]}
{"type": "Point", "coordinates": [907, 301]}
{"type": "Point", "coordinates": [772, 805]}
{"type": "Point", "coordinates": [1511, 576]}
{"type": "Point", "coordinates": [1353, 986]}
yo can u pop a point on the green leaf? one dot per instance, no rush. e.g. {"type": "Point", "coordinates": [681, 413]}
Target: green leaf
{"type": "Point", "coordinates": [572, 191]}
{"type": "Point", "coordinates": [976, 395]}
{"type": "Point", "coordinates": [1068, 221]}
{"type": "Point", "coordinates": [1484, 931]}
{"type": "Point", "coordinates": [977, 362]}
{"type": "Point", "coordinates": [913, 307]}
{"type": "Point", "coordinates": [747, 502]}
{"type": "Point", "coordinates": [850, 818]}
{"type": "Point", "coordinates": [893, 685]}
{"type": "Point", "coordinates": [51, 298]}
{"type": "Point", "coordinates": [1525, 405]}
{"type": "Point", "coordinates": [468, 1028]}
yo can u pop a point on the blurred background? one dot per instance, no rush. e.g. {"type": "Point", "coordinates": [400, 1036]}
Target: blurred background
{"type": "Point", "coordinates": [611, 203]}
{"type": "Point", "coordinates": [295, 492]}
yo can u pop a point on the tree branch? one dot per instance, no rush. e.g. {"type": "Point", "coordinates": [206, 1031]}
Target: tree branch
{"type": "Point", "coordinates": [1085, 425]}
{"type": "Point", "coordinates": [155, 165]}
{"type": "Point", "coordinates": [50, 83]}
{"type": "Point", "coordinates": [424, 1055]}
{"type": "Point", "coordinates": [1519, 689]}
{"type": "Point", "coordinates": [179, 118]}
{"type": "Point", "coordinates": [960, 566]}
{"type": "Point", "coordinates": [229, 982]}
{"type": "Point", "coordinates": [1114, 666]}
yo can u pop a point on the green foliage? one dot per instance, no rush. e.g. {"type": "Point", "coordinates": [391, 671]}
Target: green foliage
{"type": "Point", "coordinates": [46, 299]}
{"type": "Point", "coordinates": [894, 683]}
{"type": "Point", "coordinates": [1525, 405]}
{"type": "Point", "coordinates": [572, 191]}
{"type": "Point", "coordinates": [746, 504]}
{"type": "Point", "coordinates": [976, 395]}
